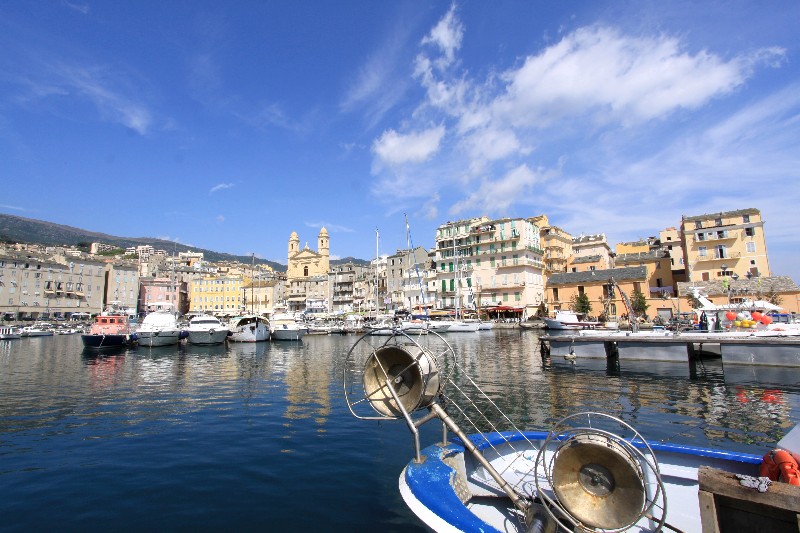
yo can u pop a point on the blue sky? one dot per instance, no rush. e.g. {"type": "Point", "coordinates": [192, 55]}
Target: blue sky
{"type": "Point", "coordinates": [228, 125]}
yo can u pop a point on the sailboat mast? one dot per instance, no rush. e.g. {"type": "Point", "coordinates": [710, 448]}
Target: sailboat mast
{"type": "Point", "coordinates": [377, 252]}
{"type": "Point", "coordinates": [252, 281]}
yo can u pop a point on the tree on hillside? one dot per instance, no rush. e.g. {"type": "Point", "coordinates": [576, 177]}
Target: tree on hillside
{"type": "Point", "coordinates": [580, 303]}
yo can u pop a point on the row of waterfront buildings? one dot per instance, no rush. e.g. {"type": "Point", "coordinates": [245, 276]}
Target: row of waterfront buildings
{"type": "Point", "coordinates": [509, 267]}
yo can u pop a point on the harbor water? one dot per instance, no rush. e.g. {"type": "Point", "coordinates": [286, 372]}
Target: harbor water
{"type": "Point", "coordinates": [259, 437]}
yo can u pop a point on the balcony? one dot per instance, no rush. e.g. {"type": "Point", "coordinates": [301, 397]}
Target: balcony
{"type": "Point", "coordinates": [735, 256]}
{"type": "Point", "coordinates": [717, 236]}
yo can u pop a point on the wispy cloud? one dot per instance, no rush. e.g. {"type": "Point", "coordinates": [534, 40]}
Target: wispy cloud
{"type": "Point", "coordinates": [13, 208]}
{"type": "Point", "coordinates": [220, 219]}
{"type": "Point", "coordinates": [333, 228]}
{"type": "Point", "coordinates": [80, 8]}
{"type": "Point", "coordinates": [379, 85]}
{"type": "Point", "coordinates": [220, 187]}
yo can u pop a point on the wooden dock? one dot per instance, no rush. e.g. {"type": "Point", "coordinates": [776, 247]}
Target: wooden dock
{"type": "Point", "coordinates": [727, 506]}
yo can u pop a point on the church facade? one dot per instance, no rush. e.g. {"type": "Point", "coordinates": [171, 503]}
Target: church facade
{"type": "Point", "coordinates": [307, 286]}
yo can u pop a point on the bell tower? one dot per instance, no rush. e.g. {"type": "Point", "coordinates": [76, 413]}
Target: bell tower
{"type": "Point", "coordinates": [323, 249]}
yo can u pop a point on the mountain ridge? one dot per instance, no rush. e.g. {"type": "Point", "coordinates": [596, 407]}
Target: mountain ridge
{"type": "Point", "coordinates": [15, 228]}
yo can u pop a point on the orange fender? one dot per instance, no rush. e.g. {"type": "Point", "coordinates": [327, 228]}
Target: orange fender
{"type": "Point", "coordinates": [780, 465]}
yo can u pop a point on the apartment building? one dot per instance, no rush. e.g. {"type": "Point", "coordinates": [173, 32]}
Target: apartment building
{"type": "Point", "coordinates": [597, 285]}
{"type": "Point", "coordinates": [122, 285]}
{"type": "Point", "coordinates": [402, 280]}
{"type": "Point", "coordinates": [589, 252]}
{"type": "Point", "coordinates": [721, 245]}
{"type": "Point", "coordinates": [650, 254]}
{"type": "Point", "coordinates": [157, 293]}
{"type": "Point", "coordinates": [489, 263]}
{"type": "Point", "coordinates": [556, 243]}
{"type": "Point", "coordinates": [672, 244]}
{"type": "Point", "coordinates": [217, 295]}
{"type": "Point", "coordinates": [347, 285]}
{"type": "Point", "coordinates": [39, 286]}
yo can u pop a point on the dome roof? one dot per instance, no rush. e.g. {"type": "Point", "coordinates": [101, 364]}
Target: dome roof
{"type": "Point", "coordinates": [323, 231]}
{"type": "Point", "coordinates": [294, 237]}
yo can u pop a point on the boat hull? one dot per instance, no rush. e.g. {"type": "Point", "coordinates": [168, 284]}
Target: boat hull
{"type": "Point", "coordinates": [762, 351]}
{"type": "Point", "coordinates": [105, 341]}
{"type": "Point", "coordinates": [248, 328]}
{"type": "Point", "coordinates": [285, 333]}
{"type": "Point", "coordinates": [450, 491]}
{"type": "Point", "coordinates": [250, 333]}
{"type": "Point", "coordinates": [207, 337]}
{"type": "Point", "coordinates": [159, 338]}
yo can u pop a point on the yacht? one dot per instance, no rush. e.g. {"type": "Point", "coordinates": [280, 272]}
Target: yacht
{"type": "Point", "coordinates": [160, 328]}
{"type": "Point", "coordinates": [284, 327]}
{"type": "Point", "coordinates": [207, 329]}
{"type": "Point", "coordinates": [38, 329]}
{"type": "Point", "coordinates": [249, 328]}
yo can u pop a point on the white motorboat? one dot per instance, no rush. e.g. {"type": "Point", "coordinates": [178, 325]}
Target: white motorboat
{"type": "Point", "coordinates": [160, 328]}
{"type": "Point", "coordinates": [460, 326]}
{"type": "Point", "coordinates": [249, 328]}
{"type": "Point", "coordinates": [285, 327]}
{"type": "Point", "coordinates": [589, 472]}
{"type": "Point", "coordinates": [38, 329]}
{"type": "Point", "coordinates": [206, 329]}
{"type": "Point", "coordinates": [569, 320]}
{"type": "Point", "coordinates": [10, 332]}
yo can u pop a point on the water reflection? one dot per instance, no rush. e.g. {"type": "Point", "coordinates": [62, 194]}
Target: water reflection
{"type": "Point", "coordinates": [231, 426]}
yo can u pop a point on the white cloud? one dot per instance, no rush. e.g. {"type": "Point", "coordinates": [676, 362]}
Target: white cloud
{"type": "Point", "coordinates": [446, 36]}
{"type": "Point", "coordinates": [335, 228]}
{"type": "Point", "coordinates": [96, 84]}
{"type": "Point", "coordinates": [588, 104]}
{"type": "Point", "coordinates": [618, 78]}
{"type": "Point", "coordinates": [220, 219]}
{"type": "Point", "coordinates": [496, 196]}
{"type": "Point", "coordinates": [220, 187]}
{"type": "Point", "coordinates": [394, 148]}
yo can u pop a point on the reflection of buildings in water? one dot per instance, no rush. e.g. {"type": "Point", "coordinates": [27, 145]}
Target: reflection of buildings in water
{"type": "Point", "coordinates": [6, 347]}
{"type": "Point", "coordinates": [308, 381]}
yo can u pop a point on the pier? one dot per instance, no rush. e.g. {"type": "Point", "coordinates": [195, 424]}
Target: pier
{"type": "Point", "coordinates": [732, 348]}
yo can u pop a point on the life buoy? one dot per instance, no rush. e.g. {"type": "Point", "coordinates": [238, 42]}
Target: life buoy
{"type": "Point", "coordinates": [780, 465]}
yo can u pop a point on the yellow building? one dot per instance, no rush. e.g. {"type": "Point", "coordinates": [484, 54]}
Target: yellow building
{"type": "Point", "coordinates": [650, 254]}
{"type": "Point", "coordinates": [217, 295]}
{"type": "Point", "coordinates": [719, 245]}
{"type": "Point", "coordinates": [564, 288]}
{"type": "Point", "coordinates": [307, 274]}
{"type": "Point", "coordinates": [556, 243]}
